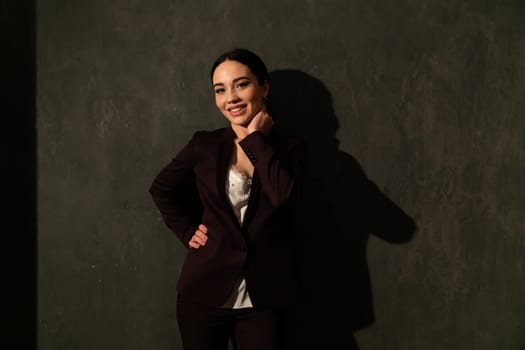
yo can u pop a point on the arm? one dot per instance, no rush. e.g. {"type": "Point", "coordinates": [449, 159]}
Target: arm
{"type": "Point", "coordinates": [279, 166]}
{"type": "Point", "coordinates": [174, 193]}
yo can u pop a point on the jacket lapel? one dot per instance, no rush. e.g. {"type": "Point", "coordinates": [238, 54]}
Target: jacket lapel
{"type": "Point", "coordinates": [253, 199]}
{"type": "Point", "coordinates": [224, 156]}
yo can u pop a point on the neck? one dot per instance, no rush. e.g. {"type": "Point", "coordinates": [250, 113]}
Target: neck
{"type": "Point", "coordinates": [240, 131]}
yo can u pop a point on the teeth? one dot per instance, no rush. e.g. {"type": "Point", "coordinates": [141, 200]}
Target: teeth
{"type": "Point", "coordinates": [236, 109]}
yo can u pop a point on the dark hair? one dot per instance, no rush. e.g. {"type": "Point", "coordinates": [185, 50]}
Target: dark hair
{"type": "Point", "coordinates": [246, 57]}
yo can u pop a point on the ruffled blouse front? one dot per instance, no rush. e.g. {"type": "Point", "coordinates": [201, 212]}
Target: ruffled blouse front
{"type": "Point", "coordinates": [238, 185]}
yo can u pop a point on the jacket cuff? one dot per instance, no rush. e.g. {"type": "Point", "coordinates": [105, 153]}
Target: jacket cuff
{"type": "Point", "coordinates": [251, 143]}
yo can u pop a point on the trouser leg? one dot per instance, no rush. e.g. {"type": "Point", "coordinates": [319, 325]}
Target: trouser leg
{"type": "Point", "coordinates": [258, 330]}
{"type": "Point", "coordinates": [202, 327]}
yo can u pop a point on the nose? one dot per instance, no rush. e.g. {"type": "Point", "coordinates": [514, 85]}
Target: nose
{"type": "Point", "coordinates": [232, 97]}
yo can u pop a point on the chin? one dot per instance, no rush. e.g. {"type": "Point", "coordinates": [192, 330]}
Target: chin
{"type": "Point", "coordinates": [241, 121]}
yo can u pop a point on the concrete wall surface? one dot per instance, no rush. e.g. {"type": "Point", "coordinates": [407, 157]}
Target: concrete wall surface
{"type": "Point", "coordinates": [426, 99]}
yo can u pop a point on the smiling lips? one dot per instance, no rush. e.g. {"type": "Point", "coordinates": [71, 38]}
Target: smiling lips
{"type": "Point", "coordinates": [237, 110]}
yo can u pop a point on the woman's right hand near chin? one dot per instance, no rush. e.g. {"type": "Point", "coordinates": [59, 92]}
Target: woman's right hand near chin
{"type": "Point", "coordinates": [262, 122]}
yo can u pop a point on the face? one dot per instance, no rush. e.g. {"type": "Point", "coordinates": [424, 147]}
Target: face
{"type": "Point", "coordinates": [238, 93]}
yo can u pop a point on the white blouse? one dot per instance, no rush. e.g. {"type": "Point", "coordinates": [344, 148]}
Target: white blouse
{"type": "Point", "coordinates": [238, 187]}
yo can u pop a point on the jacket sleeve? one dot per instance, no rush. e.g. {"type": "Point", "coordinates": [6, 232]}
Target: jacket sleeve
{"type": "Point", "coordinates": [279, 166]}
{"type": "Point", "coordinates": [175, 194]}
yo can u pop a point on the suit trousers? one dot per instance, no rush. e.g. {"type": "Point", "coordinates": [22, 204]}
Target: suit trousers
{"type": "Point", "coordinates": [208, 328]}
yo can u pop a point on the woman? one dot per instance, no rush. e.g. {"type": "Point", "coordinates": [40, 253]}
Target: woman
{"type": "Point", "coordinates": [229, 196]}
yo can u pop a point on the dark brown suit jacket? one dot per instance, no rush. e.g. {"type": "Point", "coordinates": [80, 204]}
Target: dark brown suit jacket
{"type": "Point", "coordinates": [191, 190]}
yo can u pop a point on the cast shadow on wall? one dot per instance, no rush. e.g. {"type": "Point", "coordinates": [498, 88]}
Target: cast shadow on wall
{"type": "Point", "coordinates": [339, 208]}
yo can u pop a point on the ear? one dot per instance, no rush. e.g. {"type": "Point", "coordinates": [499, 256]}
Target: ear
{"type": "Point", "coordinates": [266, 87]}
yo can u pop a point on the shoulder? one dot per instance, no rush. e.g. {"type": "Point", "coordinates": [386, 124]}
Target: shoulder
{"type": "Point", "coordinates": [210, 135]}
{"type": "Point", "coordinates": [210, 139]}
{"type": "Point", "coordinates": [286, 139]}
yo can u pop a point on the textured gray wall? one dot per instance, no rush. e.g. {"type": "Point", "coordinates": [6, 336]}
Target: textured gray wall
{"type": "Point", "coordinates": [428, 96]}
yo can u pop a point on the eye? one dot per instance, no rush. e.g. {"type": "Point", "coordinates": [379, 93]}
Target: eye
{"type": "Point", "coordinates": [243, 84]}
{"type": "Point", "coordinates": [219, 90]}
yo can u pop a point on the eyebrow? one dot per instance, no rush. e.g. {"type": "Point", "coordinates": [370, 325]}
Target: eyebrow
{"type": "Point", "coordinates": [234, 80]}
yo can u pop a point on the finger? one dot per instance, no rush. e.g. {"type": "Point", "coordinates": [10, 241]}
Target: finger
{"type": "Point", "coordinates": [200, 238]}
{"type": "Point", "coordinates": [193, 244]}
{"type": "Point", "coordinates": [255, 119]}
{"type": "Point", "coordinates": [263, 112]}
{"type": "Point", "coordinates": [259, 119]}
{"type": "Point", "coordinates": [200, 234]}
{"type": "Point", "coordinates": [197, 241]}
